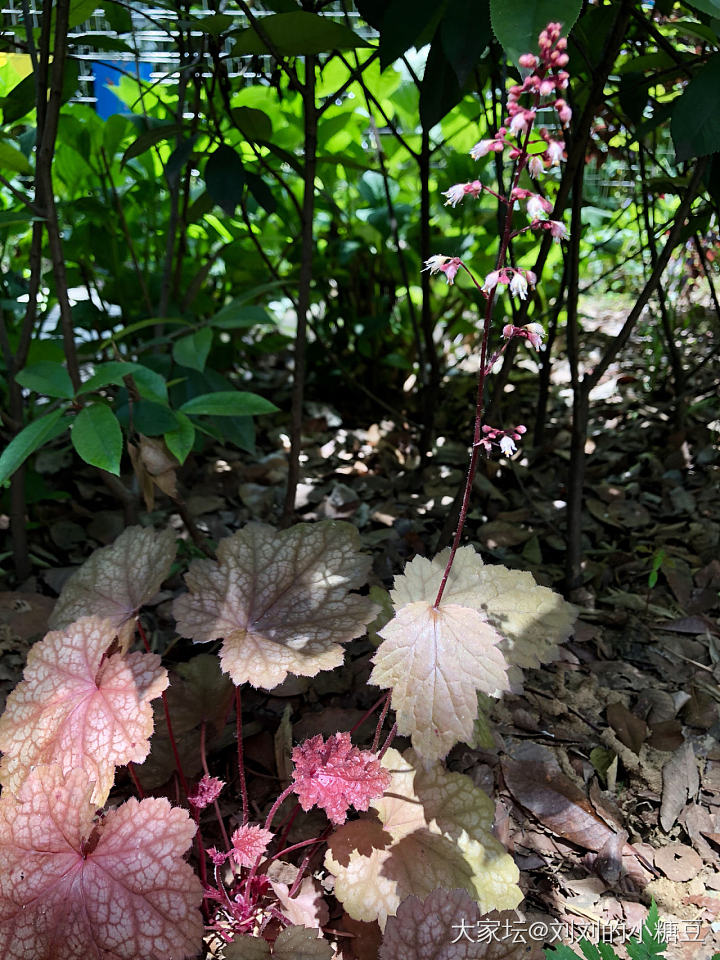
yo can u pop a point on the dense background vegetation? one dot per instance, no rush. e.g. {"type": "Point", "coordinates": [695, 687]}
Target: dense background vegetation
{"type": "Point", "coordinates": [252, 228]}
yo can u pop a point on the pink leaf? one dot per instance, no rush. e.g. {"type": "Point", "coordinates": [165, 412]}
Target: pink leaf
{"type": "Point", "coordinates": [79, 707]}
{"type": "Point", "coordinates": [336, 775]}
{"type": "Point", "coordinates": [206, 792]}
{"type": "Point", "coordinates": [73, 887]}
{"type": "Point", "coordinates": [249, 843]}
{"type": "Point", "coordinates": [115, 581]}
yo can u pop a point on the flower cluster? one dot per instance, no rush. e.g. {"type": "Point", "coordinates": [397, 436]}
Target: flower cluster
{"type": "Point", "coordinates": [442, 264]}
{"type": "Point", "coordinates": [532, 332]}
{"type": "Point", "coordinates": [544, 80]}
{"type": "Point", "coordinates": [518, 281]}
{"type": "Point", "coordinates": [505, 439]}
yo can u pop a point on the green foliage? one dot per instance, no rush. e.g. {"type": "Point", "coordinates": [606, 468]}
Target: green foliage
{"type": "Point", "coordinates": [517, 23]}
{"type": "Point", "coordinates": [648, 947]}
{"type": "Point", "coordinates": [97, 437]}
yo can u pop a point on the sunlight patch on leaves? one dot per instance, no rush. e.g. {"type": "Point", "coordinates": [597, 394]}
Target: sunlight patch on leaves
{"type": "Point", "coordinates": [280, 600]}
{"type": "Point", "coordinates": [80, 705]}
{"type": "Point", "coordinates": [115, 581]}
{"type": "Point", "coordinates": [74, 886]}
{"type": "Point", "coordinates": [436, 661]}
{"type": "Point", "coordinates": [434, 830]}
{"type": "Point", "coordinates": [533, 620]}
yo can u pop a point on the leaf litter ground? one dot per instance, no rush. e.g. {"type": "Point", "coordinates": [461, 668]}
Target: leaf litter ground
{"type": "Point", "coordinates": [605, 771]}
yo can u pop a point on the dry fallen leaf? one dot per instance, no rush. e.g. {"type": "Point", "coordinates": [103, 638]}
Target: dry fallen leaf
{"type": "Point", "coordinates": [433, 831]}
{"type": "Point", "coordinates": [115, 581]}
{"type": "Point", "coordinates": [80, 705]}
{"type": "Point", "coordinates": [280, 600]}
{"type": "Point", "coordinates": [74, 886]}
{"type": "Point", "coordinates": [681, 782]}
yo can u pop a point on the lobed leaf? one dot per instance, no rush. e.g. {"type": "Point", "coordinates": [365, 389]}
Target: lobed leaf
{"type": "Point", "coordinates": [74, 886]}
{"type": "Point", "coordinates": [280, 600]}
{"type": "Point", "coordinates": [336, 775]}
{"type": "Point", "coordinates": [434, 830]}
{"type": "Point", "coordinates": [532, 619]}
{"type": "Point", "coordinates": [436, 660]}
{"type": "Point", "coordinates": [81, 706]}
{"type": "Point", "coordinates": [115, 581]}
{"type": "Point", "coordinates": [435, 927]}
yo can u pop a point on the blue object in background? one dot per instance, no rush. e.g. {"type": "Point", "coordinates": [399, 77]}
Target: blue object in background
{"type": "Point", "coordinates": [106, 75]}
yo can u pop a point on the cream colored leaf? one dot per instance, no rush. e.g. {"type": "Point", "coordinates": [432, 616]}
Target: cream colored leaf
{"type": "Point", "coordinates": [307, 908]}
{"type": "Point", "coordinates": [280, 600]}
{"type": "Point", "coordinates": [115, 581]}
{"type": "Point", "coordinates": [435, 660]}
{"type": "Point", "coordinates": [80, 705]}
{"type": "Point", "coordinates": [532, 619]}
{"type": "Point", "coordinates": [433, 831]}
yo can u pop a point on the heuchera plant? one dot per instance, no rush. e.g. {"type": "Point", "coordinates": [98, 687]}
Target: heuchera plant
{"type": "Point", "coordinates": [79, 881]}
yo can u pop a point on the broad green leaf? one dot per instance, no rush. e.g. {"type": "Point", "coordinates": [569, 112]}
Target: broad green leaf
{"type": "Point", "coordinates": [12, 159]}
{"type": "Point", "coordinates": [225, 178]}
{"type": "Point", "coordinates": [30, 439]}
{"type": "Point", "coordinates": [706, 6]}
{"type": "Point", "coordinates": [518, 23]}
{"type": "Point", "coordinates": [228, 403]}
{"type": "Point", "coordinates": [462, 47]}
{"type": "Point", "coordinates": [180, 440]}
{"type": "Point", "coordinates": [297, 34]}
{"type": "Point", "coordinates": [439, 90]}
{"type": "Point", "coordinates": [695, 124]}
{"type": "Point", "coordinates": [403, 22]}
{"type": "Point", "coordinates": [192, 351]}
{"type": "Point", "coordinates": [20, 101]}
{"type": "Point", "coordinates": [97, 437]}
{"type": "Point", "coordinates": [148, 417]}
{"type": "Point", "coordinates": [150, 384]}
{"type": "Point", "coordinates": [149, 138]}
{"type": "Point", "coordinates": [141, 325]}
{"type": "Point", "coordinates": [238, 315]}
{"type": "Point", "coordinates": [50, 379]}
{"type": "Point", "coordinates": [255, 124]}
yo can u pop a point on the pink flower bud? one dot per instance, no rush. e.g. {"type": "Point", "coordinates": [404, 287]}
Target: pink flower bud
{"type": "Point", "coordinates": [528, 60]}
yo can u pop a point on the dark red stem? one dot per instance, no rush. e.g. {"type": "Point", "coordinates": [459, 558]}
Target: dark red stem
{"type": "Point", "coordinates": [241, 758]}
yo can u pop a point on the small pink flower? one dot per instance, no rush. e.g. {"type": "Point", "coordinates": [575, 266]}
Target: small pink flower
{"type": "Point", "coordinates": [534, 332]}
{"type": "Point", "coordinates": [519, 286]}
{"type": "Point", "coordinates": [528, 60]}
{"type": "Point", "coordinates": [454, 195]}
{"type": "Point", "coordinates": [491, 281]}
{"type": "Point", "coordinates": [530, 277]}
{"type": "Point", "coordinates": [555, 152]}
{"type": "Point", "coordinates": [563, 111]}
{"type": "Point", "coordinates": [507, 446]}
{"type": "Point", "coordinates": [520, 193]}
{"type": "Point", "coordinates": [483, 147]}
{"type": "Point", "coordinates": [547, 88]}
{"type": "Point", "coordinates": [447, 265]}
{"type": "Point", "coordinates": [535, 166]}
{"type": "Point", "coordinates": [521, 122]}
{"type": "Point", "coordinates": [558, 230]}
{"type": "Point", "coordinates": [538, 206]}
